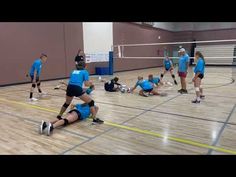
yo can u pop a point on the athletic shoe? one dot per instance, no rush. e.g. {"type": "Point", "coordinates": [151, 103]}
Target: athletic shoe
{"type": "Point", "coordinates": [42, 127]}
{"type": "Point", "coordinates": [33, 99]}
{"type": "Point", "coordinates": [49, 129]}
{"type": "Point", "coordinates": [98, 121]}
{"type": "Point", "coordinates": [145, 94]}
{"type": "Point", "coordinates": [57, 87]}
{"type": "Point", "coordinates": [184, 92]}
{"type": "Point", "coordinates": [180, 90]}
{"type": "Point", "coordinates": [202, 96]}
{"type": "Point", "coordinates": [175, 82]}
{"type": "Point", "coordinates": [43, 93]}
{"type": "Point", "coordinates": [195, 101]}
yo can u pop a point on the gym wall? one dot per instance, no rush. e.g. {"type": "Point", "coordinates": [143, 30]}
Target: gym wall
{"type": "Point", "coordinates": [22, 43]}
{"type": "Point", "coordinates": [219, 34]}
{"type": "Point", "coordinates": [129, 33]}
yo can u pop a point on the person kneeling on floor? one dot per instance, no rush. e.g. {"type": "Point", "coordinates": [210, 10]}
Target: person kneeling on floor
{"type": "Point", "coordinates": [146, 87]}
{"type": "Point", "coordinates": [112, 85]}
{"type": "Point", "coordinates": [78, 112]}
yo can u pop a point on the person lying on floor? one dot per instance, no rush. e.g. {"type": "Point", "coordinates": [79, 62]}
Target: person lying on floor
{"type": "Point", "coordinates": [77, 112]}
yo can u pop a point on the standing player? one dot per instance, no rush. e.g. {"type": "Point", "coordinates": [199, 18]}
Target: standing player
{"type": "Point", "coordinates": [74, 89]}
{"type": "Point", "coordinates": [81, 112]}
{"type": "Point", "coordinates": [199, 74]}
{"type": "Point", "coordinates": [34, 73]}
{"type": "Point", "coordinates": [168, 67]}
{"type": "Point", "coordinates": [183, 70]}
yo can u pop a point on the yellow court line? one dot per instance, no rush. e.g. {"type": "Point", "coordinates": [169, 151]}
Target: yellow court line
{"type": "Point", "coordinates": [147, 132]}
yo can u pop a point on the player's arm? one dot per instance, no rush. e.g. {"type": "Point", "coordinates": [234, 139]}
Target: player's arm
{"type": "Point", "coordinates": [187, 63]}
{"type": "Point", "coordinates": [171, 63]}
{"type": "Point", "coordinates": [35, 74]}
{"type": "Point", "coordinates": [87, 82]}
{"type": "Point", "coordinates": [196, 76]}
{"type": "Point", "coordinates": [117, 83]}
{"type": "Point", "coordinates": [132, 89]}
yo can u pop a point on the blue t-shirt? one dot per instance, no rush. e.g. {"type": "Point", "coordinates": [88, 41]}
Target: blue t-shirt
{"type": "Point", "coordinates": [167, 64]}
{"type": "Point", "coordinates": [144, 84]}
{"type": "Point", "coordinates": [77, 77]}
{"type": "Point", "coordinates": [37, 65]}
{"type": "Point", "coordinates": [183, 63]}
{"type": "Point", "coordinates": [155, 80]}
{"type": "Point", "coordinates": [200, 66]}
{"type": "Point", "coordinates": [84, 110]}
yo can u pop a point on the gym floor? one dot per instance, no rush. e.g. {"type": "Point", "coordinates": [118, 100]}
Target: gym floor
{"type": "Point", "coordinates": [133, 124]}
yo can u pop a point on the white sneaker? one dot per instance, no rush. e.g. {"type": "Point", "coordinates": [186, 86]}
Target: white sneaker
{"type": "Point", "coordinates": [57, 87]}
{"type": "Point", "coordinates": [42, 126]}
{"type": "Point", "coordinates": [48, 129]}
{"type": "Point", "coordinates": [33, 99]}
{"type": "Point", "coordinates": [43, 93]}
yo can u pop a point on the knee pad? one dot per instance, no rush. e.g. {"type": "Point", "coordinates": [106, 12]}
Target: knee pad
{"type": "Point", "coordinates": [66, 105]}
{"type": "Point", "coordinates": [91, 103]}
{"type": "Point", "coordinates": [173, 76]}
{"type": "Point", "coordinates": [33, 85]}
{"type": "Point", "coordinates": [200, 86]}
{"type": "Point", "coordinates": [59, 117]}
{"type": "Point", "coordinates": [197, 89]}
{"type": "Point", "coordinates": [162, 75]}
{"type": "Point", "coordinates": [38, 84]}
{"type": "Point", "coordinates": [66, 122]}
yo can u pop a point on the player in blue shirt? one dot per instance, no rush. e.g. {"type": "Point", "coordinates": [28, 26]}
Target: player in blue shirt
{"type": "Point", "coordinates": [154, 80]}
{"type": "Point", "coordinates": [79, 77]}
{"type": "Point", "coordinates": [199, 71]}
{"type": "Point", "coordinates": [34, 73]}
{"type": "Point", "coordinates": [183, 70]}
{"type": "Point", "coordinates": [146, 87]}
{"type": "Point", "coordinates": [77, 112]}
{"type": "Point", "coordinates": [168, 67]}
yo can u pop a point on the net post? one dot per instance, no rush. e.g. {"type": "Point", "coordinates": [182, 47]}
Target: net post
{"type": "Point", "coordinates": [110, 62]}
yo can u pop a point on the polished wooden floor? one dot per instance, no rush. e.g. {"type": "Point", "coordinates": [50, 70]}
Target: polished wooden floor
{"type": "Point", "coordinates": [133, 124]}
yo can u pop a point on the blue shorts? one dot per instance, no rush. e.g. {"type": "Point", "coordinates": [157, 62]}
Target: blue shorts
{"type": "Point", "coordinates": [148, 90]}
{"type": "Point", "coordinates": [169, 69]}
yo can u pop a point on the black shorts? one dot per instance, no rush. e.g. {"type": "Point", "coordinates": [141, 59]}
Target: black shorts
{"type": "Point", "coordinates": [148, 90]}
{"type": "Point", "coordinates": [109, 87]}
{"type": "Point", "coordinates": [169, 69]}
{"type": "Point", "coordinates": [201, 76]}
{"type": "Point", "coordinates": [74, 90]}
{"type": "Point", "coordinates": [77, 112]}
{"type": "Point", "coordinates": [32, 78]}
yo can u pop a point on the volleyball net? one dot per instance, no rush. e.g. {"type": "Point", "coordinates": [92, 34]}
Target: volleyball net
{"type": "Point", "coordinates": [216, 52]}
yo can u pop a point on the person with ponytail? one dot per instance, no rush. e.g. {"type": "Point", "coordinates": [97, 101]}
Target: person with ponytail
{"type": "Point", "coordinates": [199, 71]}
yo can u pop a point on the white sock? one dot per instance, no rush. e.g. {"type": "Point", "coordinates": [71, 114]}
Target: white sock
{"type": "Point", "coordinates": [198, 99]}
